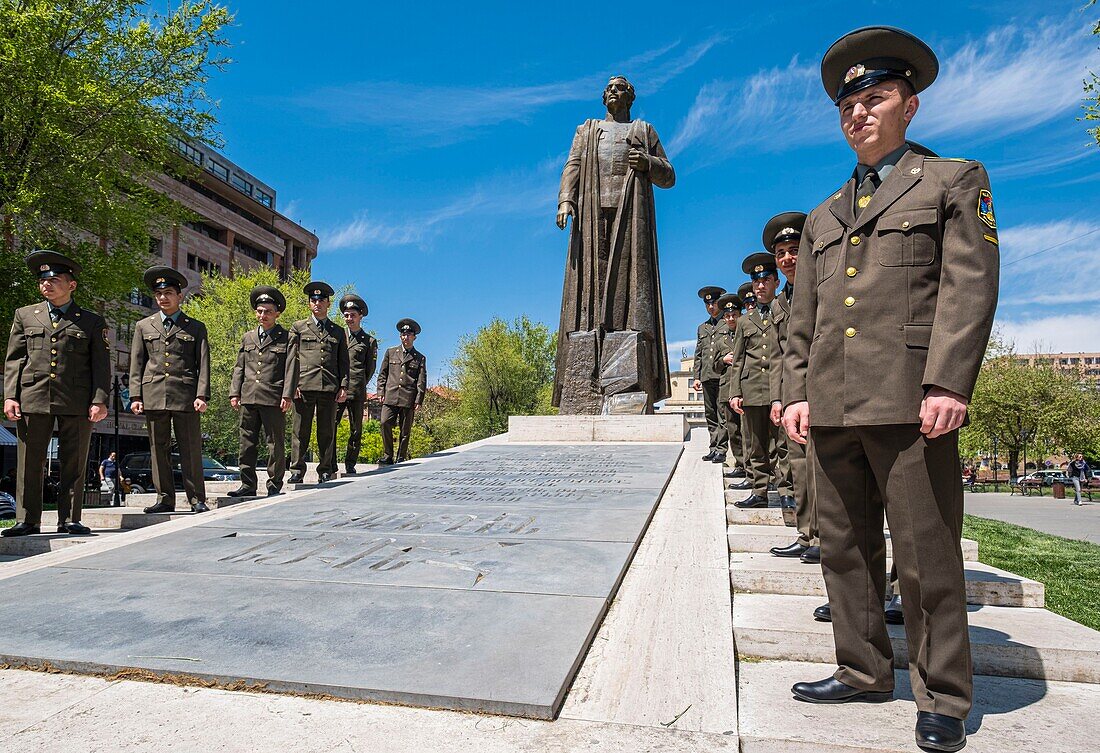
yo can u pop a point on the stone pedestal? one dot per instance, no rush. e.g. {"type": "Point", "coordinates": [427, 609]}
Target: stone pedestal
{"type": "Point", "coordinates": [602, 365]}
{"type": "Point", "coordinates": [668, 427]}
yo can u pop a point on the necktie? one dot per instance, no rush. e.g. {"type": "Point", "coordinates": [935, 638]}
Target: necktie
{"type": "Point", "coordinates": [55, 315]}
{"type": "Point", "coordinates": [168, 324]}
{"type": "Point", "coordinates": [764, 311]}
{"type": "Point", "coordinates": [263, 336]}
{"type": "Point", "coordinates": [866, 190]}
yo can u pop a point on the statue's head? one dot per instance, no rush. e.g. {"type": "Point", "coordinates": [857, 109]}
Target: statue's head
{"type": "Point", "coordinates": [618, 94]}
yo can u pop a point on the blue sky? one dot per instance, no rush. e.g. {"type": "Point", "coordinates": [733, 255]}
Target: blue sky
{"type": "Point", "coordinates": [423, 142]}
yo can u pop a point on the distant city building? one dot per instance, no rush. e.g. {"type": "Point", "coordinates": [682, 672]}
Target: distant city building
{"type": "Point", "coordinates": [1085, 365]}
{"type": "Point", "coordinates": [684, 399]}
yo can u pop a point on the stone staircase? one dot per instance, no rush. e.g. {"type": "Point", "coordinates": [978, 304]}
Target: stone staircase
{"type": "Point", "coordinates": [1012, 636]}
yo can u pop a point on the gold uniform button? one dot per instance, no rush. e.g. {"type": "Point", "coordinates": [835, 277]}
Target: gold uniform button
{"type": "Point", "coordinates": [849, 301]}
{"type": "Point", "coordinates": [850, 332]}
{"type": "Point", "coordinates": [53, 352]}
{"type": "Point", "coordinates": [53, 363]}
{"type": "Point", "coordinates": [53, 339]}
{"type": "Point", "coordinates": [905, 224]}
{"type": "Point", "coordinates": [855, 240]}
{"type": "Point", "coordinates": [53, 376]}
{"type": "Point", "coordinates": [851, 271]}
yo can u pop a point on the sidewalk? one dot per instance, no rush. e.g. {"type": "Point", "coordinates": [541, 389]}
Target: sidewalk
{"type": "Point", "coordinates": [1059, 517]}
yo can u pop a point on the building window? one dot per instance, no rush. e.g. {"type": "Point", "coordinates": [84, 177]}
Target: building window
{"type": "Point", "coordinates": [220, 170]}
{"type": "Point", "coordinates": [263, 198]}
{"type": "Point", "coordinates": [188, 151]}
{"type": "Point", "coordinates": [208, 230]}
{"type": "Point", "coordinates": [201, 265]}
{"type": "Point", "coordinates": [252, 252]}
{"type": "Point", "coordinates": [124, 333]}
{"type": "Point", "coordinates": [241, 184]}
{"type": "Point", "coordinates": [138, 298]}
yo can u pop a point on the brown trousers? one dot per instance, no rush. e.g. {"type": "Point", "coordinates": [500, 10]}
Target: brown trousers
{"type": "Point", "coordinates": [764, 450]}
{"type": "Point", "coordinates": [860, 473]}
{"type": "Point", "coordinates": [74, 437]}
{"type": "Point", "coordinates": [189, 440]}
{"type": "Point", "coordinates": [403, 418]}
{"type": "Point", "coordinates": [354, 409]}
{"type": "Point", "coordinates": [735, 458]}
{"type": "Point", "coordinates": [324, 405]}
{"type": "Point", "coordinates": [716, 417]}
{"type": "Point", "coordinates": [804, 494]}
{"type": "Point", "coordinates": [272, 422]}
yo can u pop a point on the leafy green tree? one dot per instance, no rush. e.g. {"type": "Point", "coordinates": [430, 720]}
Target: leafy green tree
{"type": "Point", "coordinates": [92, 98]}
{"type": "Point", "coordinates": [502, 370]}
{"type": "Point", "coordinates": [1092, 89]}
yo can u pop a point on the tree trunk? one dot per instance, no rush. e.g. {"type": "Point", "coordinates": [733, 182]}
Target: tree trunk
{"type": "Point", "coordinates": [1013, 460]}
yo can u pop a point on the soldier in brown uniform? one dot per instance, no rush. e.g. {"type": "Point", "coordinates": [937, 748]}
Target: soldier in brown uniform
{"type": "Point", "coordinates": [402, 384]}
{"type": "Point", "coordinates": [753, 358]}
{"type": "Point", "coordinates": [170, 384]}
{"type": "Point", "coordinates": [362, 357]}
{"type": "Point", "coordinates": [57, 369]}
{"type": "Point", "coordinates": [262, 390]}
{"type": "Point", "coordinates": [747, 296]}
{"type": "Point", "coordinates": [781, 235]}
{"type": "Point", "coordinates": [322, 383]}
{"type": "Point", "coordinates": [899, 267]}
{"type": "Point", "coordinates": [729, 306]}
{"type": "Point", "coordinates": [706, 378]}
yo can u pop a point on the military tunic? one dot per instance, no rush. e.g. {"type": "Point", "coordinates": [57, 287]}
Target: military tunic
{"type": "Point", "coordinates": [890, 303]}
{"type": "Point", "coordinates": [322, 373]}
{"type": "Point", "coordinates": [266, 373]}
{"type": "Point", "coordinates": [169, 370]}
{"type": "Point", "coordinates": [362, 357]}
{"type": "Point", "coordinates": [707, 337]}
{"type": "Point", "coordinates": [733, 421]}
{"type": "Point", "coordinates": [56, 372]}
{"type": "Point", "coordinates": [402, 384]}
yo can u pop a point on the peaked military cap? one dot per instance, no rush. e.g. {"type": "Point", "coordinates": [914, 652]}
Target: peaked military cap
{"type": "Point", "coordinates": [783, 227]}
{"type": "Point", "coordinates": [353, 302]}
{"type": "Point", "coordinates": [267, 294]}
{"type": "Point", "coordinates": [408, 325]}
{"type": "Point", "coordinates": [47, 264]}
{"type": "Point", "coordinates": [745, 293]}
{"type": "Point", "coordinates": [318, 289]}
{"type": "Point", "coordinates": [158, 278]}
{"type": "Point", "coordinates": [729, 302]}
{"type": "Point", "coordinates": [711, 293]}
{"type": "Point", "coordinates": [867, 56]}
{"type": "Point", "coordinates": [759, 265]}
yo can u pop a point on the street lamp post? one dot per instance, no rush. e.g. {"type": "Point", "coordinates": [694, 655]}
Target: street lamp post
{"type": "Point", "coordinates": [995, 462]}
{"type": "Point", "coordinates": [116, 500]}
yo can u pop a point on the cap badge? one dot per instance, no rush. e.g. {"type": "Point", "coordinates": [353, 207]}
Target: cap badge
{"type": "Point", "coordinates": [160, 280]}
{"type": "Point", "coordinates": [44, 268]}
{"type": "Point", "coordinates": [788, 231]}
{"type": "Point", "coordinates": [758, 268]}
{"type": "Point", "coordinates": [316, 292]}
{"type": "Point", "coordinates": [854, 72]}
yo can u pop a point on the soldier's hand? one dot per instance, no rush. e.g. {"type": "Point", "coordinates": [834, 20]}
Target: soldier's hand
{"type": "Point", "coordinates": [638, 160]}
{"type": "Point", "coordinates": [97, 412]}
{"type": "Point", "coordinates": [342, 396]}
{"type": "Point", "coordinates": [11, 410]}
{"type": "Point", "coordinates": [235, 403]}
{"type": "Point", "coordinates": [776, 413]}
{"type": "Point", "coordinates": [697, 385]}
{"type": "Point", "coordinates": [796, 420]}
{"type": "Point", "coordinates": [137, 407]}
{"type": "Point", "coordinates": [297, 394]}
{"type": "Point", "coordinates": [284, 404]}
{"type": "Point", "coordinates": [565, 211]}
{"type": "Point", "coordinates": [736, 403]}
{"type": "Point", "coordinates": [941, 411]}
{"type": "Point", "coordinates": [728, 359]}
{"type": "Point", "coordinates": [200, 405]}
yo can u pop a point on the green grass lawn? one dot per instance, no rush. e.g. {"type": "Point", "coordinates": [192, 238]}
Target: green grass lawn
{"type": "Point", "coordinates": [1070, 569]}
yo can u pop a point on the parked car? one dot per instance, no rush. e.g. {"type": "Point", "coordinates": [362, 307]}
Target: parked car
{"type": "Point", "coordinates": [138, 467]}
{"type": "Point", "coordinates": [1043, 478]}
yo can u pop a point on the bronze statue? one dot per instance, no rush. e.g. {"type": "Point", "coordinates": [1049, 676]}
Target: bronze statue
{"type": "Point", "coordinates": [612, 334]}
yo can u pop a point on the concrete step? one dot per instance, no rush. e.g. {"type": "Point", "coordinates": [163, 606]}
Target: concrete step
{"type": "Point", "coordinates": [755, 516]}
{"type": "Point", "coordinates": [1009, 714]}
{"type": "Point", "coordinates": [141, 501]}
{"type": "Point", "coordinates": [985, 584]}
{"type": "Point", "coordinates": [113, 518]}
{"type": "Point", "coordinates": [1004, 641]}
{"type": "Point", "coordinates": [761, 538]}
{"type": "Point", "coordinates": [28, 546]}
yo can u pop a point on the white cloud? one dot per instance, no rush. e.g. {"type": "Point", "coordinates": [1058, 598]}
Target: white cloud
{"type": "Point", "coordinates": [1072, 247]}
{"type": "Point", "coordinates": [1074, 332]}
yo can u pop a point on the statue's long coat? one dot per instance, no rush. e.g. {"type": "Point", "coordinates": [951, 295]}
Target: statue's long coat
{"type": "Point", "coordinates": [632, 300]}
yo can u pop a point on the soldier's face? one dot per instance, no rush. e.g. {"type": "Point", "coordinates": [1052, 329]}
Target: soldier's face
{"type": "Point", "coordinates": [352, 318]}
{"type": "Point", "coordinates": [319, 307]}
{"type": "Point", "coordinates": [712, 308]}
{"type": "Point", "coordinates": [731, 318]}
{"type": "Point", "coordinates": [168, 300]}
{"type": "Point", "coordinates": [57, 290]}
{"type": "Point", "coordinates": [408, 338]}
{"type": "Point", "coordinates": [266, 315]}
{"type": "Point", "coordinates": [764, 288]}
{"type": "Point", "coordinates": [877, 116]}
{"type": "Point", "coordinates": [786, 256]}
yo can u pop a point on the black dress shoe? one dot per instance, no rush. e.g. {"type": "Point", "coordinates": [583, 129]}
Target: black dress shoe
{"type": "Point", "coordinates": [751, 501]}
{"type": "Point", "coordinates": [242, 492]}
{"type": "Point", "coordinates": [741, 485]}
{"type": "Point", "coordinates": [787, 501]}
{"type": "Point", "coordinates": [349, 470]}
{"type": "Point", "coordinates": [385, 460]}
{"type": "Point", "coordinates": [199, 507]}
{"type": "Point", "coordinates": [20, 529]}
{"type": "Point", "coordinates": [823, 613]}
{"type": "Point", "coordinates": [74, 527]}
{"type": "Point", "coordinates": [738, 473]}
{"type": "Point", "coordinates": [812, 555]}
{"type": "Point", "coordinates": [791, 550]}
{"type": "Point", "coordinates": [940, 732]}
{"type": "Point", "coordinates": [401, 459]}
{"type": "Point", "coordinates": [894, 615]}
{"type": "Point", "coordinates": [274, 492]}
{"type": "Point", "coordinates": [709, 455]}
{"type": "Point", "coordinates": [719, 457]}
{"type": "Point", "coordinates": [161, 507]}
{"type": "Point", "coordinates": [324, 478]}
{"type": "Point", "coordinates": [832, 690]}
{"type": "Point", "coordinates": [296, 478]}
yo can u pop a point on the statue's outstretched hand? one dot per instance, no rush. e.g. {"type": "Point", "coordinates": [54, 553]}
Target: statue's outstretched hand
{"type": "Point", "coordinates": [565, 211]}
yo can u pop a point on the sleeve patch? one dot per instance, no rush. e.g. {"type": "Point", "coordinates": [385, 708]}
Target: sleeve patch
{"type": "Point", "coordinates": [106, 339]}
{"type": "Point", "coordinates": [985, 208]}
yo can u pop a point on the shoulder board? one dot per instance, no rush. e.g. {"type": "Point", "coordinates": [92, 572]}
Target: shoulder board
{"type": "Point", "coordinates": [947, 159]}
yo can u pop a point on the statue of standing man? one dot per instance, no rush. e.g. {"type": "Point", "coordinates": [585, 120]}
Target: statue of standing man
{"type": "Point", "coordinates": [612, 335]}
